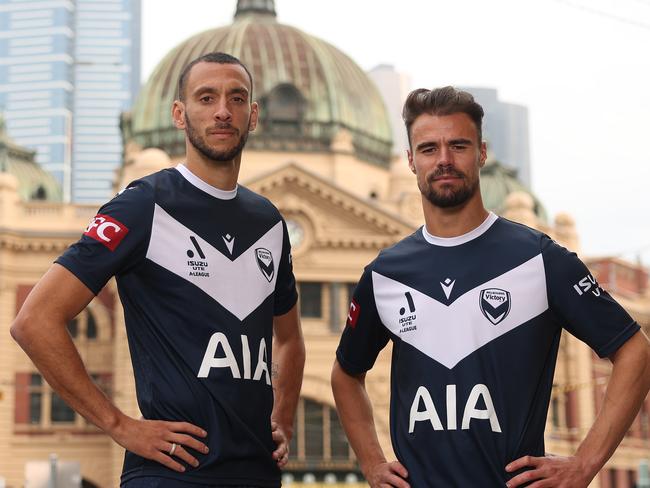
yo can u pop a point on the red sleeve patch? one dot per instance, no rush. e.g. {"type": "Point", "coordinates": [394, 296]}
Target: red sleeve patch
{"type": "Point", "coordinates": [106, 230]}
{"type": "Point", "coordinates": [353, 314]}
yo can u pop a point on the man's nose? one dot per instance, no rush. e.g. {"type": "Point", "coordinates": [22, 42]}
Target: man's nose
{"type": "Point", "coordinates": [222, 113]}
{"type": "Point", "coordinates": [445, 155]}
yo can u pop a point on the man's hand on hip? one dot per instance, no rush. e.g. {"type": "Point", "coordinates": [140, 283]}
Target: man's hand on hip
{"type": "Point", "coordinates": [384, 475]}
{"type": "Point", "coordinates": [281, 453]}
{"type": "Point", "coordinates": [549, 471]}
{"type": "Point", "coordinates": [161, 441]}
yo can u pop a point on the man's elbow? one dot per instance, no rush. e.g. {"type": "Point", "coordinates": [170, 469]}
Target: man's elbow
{"type": "Point", "coordinates": [24, 328]}
{"type": "Point", "coordinates": [20, 329]}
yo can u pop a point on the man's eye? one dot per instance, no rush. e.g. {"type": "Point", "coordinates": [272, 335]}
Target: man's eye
{"type": "Point", "coordinates": [206, 98]}
{"type": "Point", "coordinates": [238, 99]}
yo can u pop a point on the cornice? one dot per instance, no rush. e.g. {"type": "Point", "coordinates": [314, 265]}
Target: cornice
{"type": "Point", "coordinates": [383, 221]}
{"type": "Point", "coordinates": [36, 241]}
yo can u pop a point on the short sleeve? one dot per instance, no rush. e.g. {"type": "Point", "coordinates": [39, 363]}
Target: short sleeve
{"type": "Point", "coordinates": [285, 286]}
{"type": "Point", "coordinates": [115, 240]}
{"type": "Point", "coordinates": [364, 335]}
{"type": "Point", "coordinates": [585, 309]}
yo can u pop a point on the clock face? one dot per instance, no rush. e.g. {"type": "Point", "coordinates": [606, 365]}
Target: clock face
{"type": "Point", "coordinates": [296, 233]}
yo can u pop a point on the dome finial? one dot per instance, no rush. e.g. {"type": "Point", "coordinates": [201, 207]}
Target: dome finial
{"type": "Point", "coordinates": [263, 7]}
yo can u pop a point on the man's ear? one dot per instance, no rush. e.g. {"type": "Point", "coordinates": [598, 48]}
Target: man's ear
{"type": "Point", "coordinates": [409, 156]}
{"type": "Point", "coordinates": [483, 155]}
{"type": "Point", "coordinates": [178, 114]}
{"type": "Point", "coordinates": [255, 113]}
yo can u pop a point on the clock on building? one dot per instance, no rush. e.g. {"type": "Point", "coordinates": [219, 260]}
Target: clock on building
{"type": "Point", "coordinates": [296, 233]}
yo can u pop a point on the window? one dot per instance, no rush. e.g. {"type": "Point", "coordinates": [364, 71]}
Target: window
{"type": "Point", "coordinates": [73, 327]}
{"type": "Point", "coordinates": [38, 405]}
{"type": "Point", "coordinates": [311, 300]}
{"type": "Point", "coordinates": [555, 411]}
{"type": "Point", "coordinates": [91, 326]}
{"type": "Point", "coordinates": [35, 404]}
{"type": "Point", "coordinates": [45, 406]}
{"type": "Point", "coordinates": [313, 428]}
{"type": "Point", "coordinates": [283, 110]}
{"type": "Point", "coordinates": [83, 326]}
{"type": "Point", "coordinates": [319, 440]}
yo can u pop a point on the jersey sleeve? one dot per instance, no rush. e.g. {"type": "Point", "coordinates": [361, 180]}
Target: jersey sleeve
{"type": "Point", "coordinates": [285, 286]}
{"type": "Point", "coordinates": [115, 240]}
{"type": "Point", "coordinates": [586, 310]}
{"type": "Point", "coordinates": [364, 335]}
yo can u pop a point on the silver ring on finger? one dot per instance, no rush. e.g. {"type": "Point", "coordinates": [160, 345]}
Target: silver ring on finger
{"type": "Point", "coordinates": [173, 449]}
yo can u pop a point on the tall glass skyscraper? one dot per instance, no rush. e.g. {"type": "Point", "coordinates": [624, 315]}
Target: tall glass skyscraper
{"type": "Point", "coordinates": [67, 70]}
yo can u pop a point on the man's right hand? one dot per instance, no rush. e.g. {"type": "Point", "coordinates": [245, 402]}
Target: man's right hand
{"type": "Point", "coordinates": [387, 474]}
{"type": "Point", "coordinates": [155, 440]}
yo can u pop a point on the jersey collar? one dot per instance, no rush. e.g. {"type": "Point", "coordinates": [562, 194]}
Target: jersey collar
{"type": "Point", "coordinates": [203, 186]}
{"type": "Point", "coordinates": [458, 240]}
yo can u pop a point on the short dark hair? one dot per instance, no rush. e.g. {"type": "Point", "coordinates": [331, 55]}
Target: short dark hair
{"type": "Point", "coordinates": [214, 57]}
{"type": "Point", "coordinates": [441, 101]}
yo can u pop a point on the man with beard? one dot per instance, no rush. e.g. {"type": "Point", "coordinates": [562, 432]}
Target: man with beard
{"type": "Point", "coordinates": [204, 273]}
{"type": "Point", "coordinates": [474, 305]}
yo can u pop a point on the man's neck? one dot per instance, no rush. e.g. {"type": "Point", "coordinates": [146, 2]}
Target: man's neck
{"type": "Point", "coordinates": [219, 174]}
{"type": "Point", "coordinates": [454, 221]}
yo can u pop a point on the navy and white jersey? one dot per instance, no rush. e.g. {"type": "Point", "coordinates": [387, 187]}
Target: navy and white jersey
{"type": "Point", "coordinates": [201, 273]}
{"type": "Point", "coordinates": [475, 323]}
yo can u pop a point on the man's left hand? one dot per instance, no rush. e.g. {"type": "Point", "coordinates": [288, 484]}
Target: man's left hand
{"type": "Point", "coordinates": [549, 471]}
{"type": "Point", "coordinates": [281, 454]}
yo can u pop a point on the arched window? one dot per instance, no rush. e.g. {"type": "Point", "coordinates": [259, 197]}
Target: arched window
{"type": "Point", "coordinates": [39, 193]}
{"type": "Point", "coordinates": [91, 326]}
{"type": "Point", "coordinates": [84, 326]}
{"type": "Point", "coordinates": [283, 109]}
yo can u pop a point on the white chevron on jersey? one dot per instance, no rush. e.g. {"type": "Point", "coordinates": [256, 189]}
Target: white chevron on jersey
{"type": "Point", "coordinates": [239, 286]}
{"type": "Point", "coordinates": [449, 334]}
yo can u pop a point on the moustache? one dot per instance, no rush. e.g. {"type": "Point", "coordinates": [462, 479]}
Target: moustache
{"type": "Point", "coordinates": [444, 171]}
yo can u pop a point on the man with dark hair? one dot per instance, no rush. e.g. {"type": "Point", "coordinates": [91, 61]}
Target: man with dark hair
{"type": "Point", "coordinates": [204, 273]}
{"type": "Point", "coordinates": [474, 305]}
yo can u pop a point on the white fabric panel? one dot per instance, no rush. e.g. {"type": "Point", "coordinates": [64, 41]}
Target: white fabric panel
{"type": "Point", "coordinates": [450, 333]}
{"type": "Point", "coordinates": [240, 285]}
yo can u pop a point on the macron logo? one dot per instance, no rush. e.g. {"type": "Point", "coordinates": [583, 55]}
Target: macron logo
{"type": "Point", "coordinates": [106, 230]}
{"type": "Point", "coordinates": [447, 286]}
{"type": "Point", "coordinates": [229, 241]}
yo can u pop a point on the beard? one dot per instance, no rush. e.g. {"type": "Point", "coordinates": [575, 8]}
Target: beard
{"type": "Point", "coordinates": [215, 155]}
{"type": "Point", "coordinates": [448, 197]}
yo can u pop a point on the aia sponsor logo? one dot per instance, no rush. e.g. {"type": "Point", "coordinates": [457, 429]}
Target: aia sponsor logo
{"type": "Point", "coordinates": [107, 230]}
{"type": "Point", "coordinates": [264, 260]}
{"type": "Point", "coordinates": [353, 314]}
{"type": "Point", "coordinates": [495, 304]}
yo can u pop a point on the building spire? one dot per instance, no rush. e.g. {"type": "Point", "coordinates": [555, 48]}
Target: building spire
{"type": "Point", "coordinates": [259, 7]}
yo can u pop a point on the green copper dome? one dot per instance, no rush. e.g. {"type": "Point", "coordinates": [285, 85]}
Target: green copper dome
{"type": "Point", "coordinates": [308, 90]}
{"type": "Point", "coordinates": [34, 183]}
{"type": "Point", "coordinates": [498, 181]}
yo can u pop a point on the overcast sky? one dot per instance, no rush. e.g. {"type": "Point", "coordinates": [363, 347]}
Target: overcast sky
{"type": "Point", "coordinates": [582, 67]}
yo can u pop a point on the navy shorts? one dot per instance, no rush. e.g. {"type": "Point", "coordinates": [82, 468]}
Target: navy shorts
{"type": "Point", "coordinates": [156, 482]}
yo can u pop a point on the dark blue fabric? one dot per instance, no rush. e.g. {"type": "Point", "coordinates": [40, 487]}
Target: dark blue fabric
{"type": "Point", "coordinates": [171, 320]}
{"type": "Point", "coordinates": [515, 369]}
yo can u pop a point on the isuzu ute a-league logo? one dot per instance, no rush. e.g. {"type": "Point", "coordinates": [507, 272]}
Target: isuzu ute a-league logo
{"type": "Point", "coordinates": [495, 304]}
{"type": "Point", "coordinates": [264, 260]}
{"type": "Point", "coordinates": [198, 266]}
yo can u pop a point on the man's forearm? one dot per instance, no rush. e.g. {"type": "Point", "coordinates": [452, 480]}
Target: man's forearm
{"type": "Point", "coordinates": [627, 388]}
{"type": "Point", "coordinates": [355, 413]}
{"type": "Point", "coordinates": [287, 369]}
{"type": "Point", "coordinates": [68, 377]}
